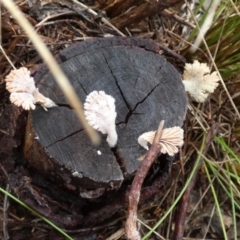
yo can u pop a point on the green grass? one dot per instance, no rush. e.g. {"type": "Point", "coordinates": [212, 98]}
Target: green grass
{"type": "Point", "coordinates": [222, 38]}
{"type": "Point", "coordinates": [180, 194]}
{"type": "Point", "coordinates": [217, 204]}
{"type": "Point", "coordinates": [223, 42]}
{"type": "Point", "coordinates": [227, 179]}
{"type": "Point", "coordinates": [218, 175]}
{"type": "Point", "coordinates": [36, 213]}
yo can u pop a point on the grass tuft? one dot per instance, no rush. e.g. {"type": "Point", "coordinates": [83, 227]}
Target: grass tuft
{"type": "Point", "coordinates": [36, 213]}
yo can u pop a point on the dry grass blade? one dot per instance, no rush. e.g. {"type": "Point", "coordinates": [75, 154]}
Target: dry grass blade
{"type": "Point", "coordinates": [213, 63]}
{"type": "Point", "coordinates": [234, 6]}
{"type": "Point", "coordinates": [5, 55]}
{"type": "Point", "coordinates": [53, 67]}
{"type": "Point", "coordinates": [205, 26]}
{"type": "Point", "coordinates": [104, 20]}
{"type": "Point", "coordinates": [178, 232]}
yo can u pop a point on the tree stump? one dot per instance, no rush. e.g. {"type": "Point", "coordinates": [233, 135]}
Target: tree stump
{"type": "Point", "coordinates": [146, 89]}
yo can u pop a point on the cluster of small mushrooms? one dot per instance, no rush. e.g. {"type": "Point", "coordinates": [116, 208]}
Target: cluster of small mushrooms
{"type": "Point", "coordinates": [24, 92]}
{"type": "Point", "coordinates": [99, 107]}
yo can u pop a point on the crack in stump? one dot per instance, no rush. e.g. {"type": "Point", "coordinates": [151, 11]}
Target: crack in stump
{"type": "Point", "coordinates": [145, 97]}
{"type": "Point", "coordinates": [119, 160]}
{"type": "Point", "coordinates": [62, 139]}
{"type": "Point", "coordinates": [64, 105]}
{"type": "Point", "coordinates": [116, 81]}
{"type": "Point", "coordinates": [132, 112]}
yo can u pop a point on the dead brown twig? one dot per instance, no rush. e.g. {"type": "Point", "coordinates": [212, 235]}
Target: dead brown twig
{"type": "Point", "coordinates": [134, 194]}
{"type": "Point", "coordinates": [179, 229]}
{"type": "Point", "coordinates": [169, 14]}
{"type": "Point", "coordinates": [144, 10]}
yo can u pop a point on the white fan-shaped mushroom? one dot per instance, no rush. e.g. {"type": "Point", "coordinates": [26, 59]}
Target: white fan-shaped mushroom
{"type": "Point", "coordinates": [20, 81]}
{"type": "Point", "coordinates": [170, 141]}
{"type": "Point", "coordinates": [146, 138]}
{"type": "Point", "coordinates": [198, 81]}
{"type": "Point", "coordinates": [23, 91]}
{"type": "Point", "coordinates": [100, 113]}
{"type": "Point", "coordinates": [23, 99]}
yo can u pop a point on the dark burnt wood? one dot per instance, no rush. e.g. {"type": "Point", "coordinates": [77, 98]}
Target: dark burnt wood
{"type": "Point", "coordinates": [146, 88]}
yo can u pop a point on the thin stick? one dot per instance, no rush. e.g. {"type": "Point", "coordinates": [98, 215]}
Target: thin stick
{"type": "Point", "coordinates": [134, 194]}
{"type": "Point", "coordinates": [176, 17]}
{"type": "Point", "coordinates": [234, 6]}
{"type": "Point", "coordinates": [6, 56]}
{"type": "Point", "coordinates": [54, 68]}
{"type": "Point", "coordinates": [104, 20]}
{"type": "Point", "coordinates": [4, 53]}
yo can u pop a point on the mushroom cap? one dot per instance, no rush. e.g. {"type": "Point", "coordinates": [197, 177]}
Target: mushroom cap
{"type": "Point", "coordinates": [171, 139]}
{"type": "Point", "coordinates": [146, 138]}
{"type": "Point", "coordinates": [19, 80]}
{"type": "Point", "coordinates": [23, 91]}
{"type": "Point", "coordinates": [198, 81]}
{"type": "Point", "coordinates": [26, 100]}
{"type": "Point", "coordinates": [100, 111]}
{"type": "Point", "coordinates": [101, 114]}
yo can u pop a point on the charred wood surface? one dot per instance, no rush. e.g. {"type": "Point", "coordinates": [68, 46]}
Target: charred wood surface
{"type": "Point", "coordinates": [146, 88]}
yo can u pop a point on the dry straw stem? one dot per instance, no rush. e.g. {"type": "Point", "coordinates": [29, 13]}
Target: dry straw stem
{"type": "Point", "coordinates": [234, 6]}
{"type": "Point", "coordinates": [6, 56]}
{"type": "Point", "coordinates": [213, 62]}
{"type": "Point", "coordinates": [104, 20]}
{"type": "Point", "coordinates": [206, 25]}
{"type": "Point", "coordinates": [53, 67]}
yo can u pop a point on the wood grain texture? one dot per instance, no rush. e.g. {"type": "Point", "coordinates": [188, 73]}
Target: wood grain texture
{"type": "Point", "coordinates": [146, 89]}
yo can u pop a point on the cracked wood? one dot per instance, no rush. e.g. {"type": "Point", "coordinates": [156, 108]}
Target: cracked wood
{"type": "Point", "coordinates": [146, 88]}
